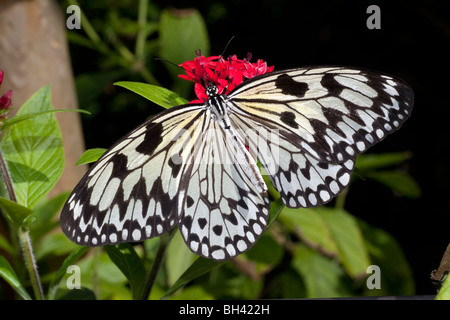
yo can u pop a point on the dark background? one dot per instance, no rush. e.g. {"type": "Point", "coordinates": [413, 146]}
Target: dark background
{"type": "Point", "coordinates": [413, 44]}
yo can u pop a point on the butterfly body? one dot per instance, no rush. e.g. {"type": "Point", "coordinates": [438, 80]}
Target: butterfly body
{"type": "Point", "coordinates": [195, 165]}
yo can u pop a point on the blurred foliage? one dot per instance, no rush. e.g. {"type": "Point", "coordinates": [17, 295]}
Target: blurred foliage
{"type": "Point", "coordinates": [306, 253]}
{"type": "Point", "coordinates": [120, 40]}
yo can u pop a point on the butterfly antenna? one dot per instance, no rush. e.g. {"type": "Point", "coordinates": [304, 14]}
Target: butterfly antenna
{"type": "Point", "coordinates": [223, 52]}
{"type": "Point", "coordinates": [175, 65]}
{"type": "Point", "coordinates": [226, 46]}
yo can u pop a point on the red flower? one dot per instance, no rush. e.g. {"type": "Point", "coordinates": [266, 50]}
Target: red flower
{"type": "Point", "coordinates": [224, 73]}
{"type": "Point", "coordinates": [5, 100]}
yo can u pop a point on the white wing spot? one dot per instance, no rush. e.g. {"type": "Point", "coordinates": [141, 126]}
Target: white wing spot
{"type": "Point", "coordinates": [257, 229]}
{"type": "Point", "coordinates": [302, 201]}
{"type": "Point", "coordinates": [231, 250]}
{"type": "Point", "coordinates": [312, 198]}
{"type": "Point", "coordinates": [291, 202]}
{"type": "Point", "coordinates": [350, 150]}
{"type": "Point", "coordinates": [241, 245]}
{"type": "Point", "coordinates": [194, 245]}
{"type": "Point", "coordinates": [344, 179]}
{"type": "Point", "coordinates": [379, 133]}
{"type": "Point", "coordinates": [250, 237]}
{"type": "Point", "coordinates": [205, 250]}
{"type": "Point", "coordinates": [113, 238]}
{"type": "Point", "coordinates": [325, 195]}
{"type": "Point", "coordinates": [369, 138]}
{"type": "Point", "coordinates": [334, 187]}
{"type": "Point", "coordinates": [136, 235]}
{"type": "Point", "coordinates": [360, 145]}
{"type": "Point", "coordinates": [148, 230]}
{"type": "Point", "coordinates": [218, 254]}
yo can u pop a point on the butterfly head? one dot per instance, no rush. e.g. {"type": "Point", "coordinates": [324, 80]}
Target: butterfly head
{"type": "Point", "coordinates": [212, 90]}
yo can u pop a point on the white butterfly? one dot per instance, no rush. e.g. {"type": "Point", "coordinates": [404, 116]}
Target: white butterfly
{"type": "Point", "coordinates": [195, 165]}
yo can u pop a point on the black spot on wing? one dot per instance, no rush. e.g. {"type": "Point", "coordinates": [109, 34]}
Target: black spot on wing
{"type": "Point", "coordinates": [217, 230]}
{"type": "Point", "coordinates": [202, 223]}
{"type": "Point", "coordinates": [189, 201]}
{"type": "Point", "coordinates": [175, 162]}
{"type": "Point", "coordinates": [291, 87]}
{"type": "Point", "coordinates": [288, 118]}
{"type": "Point", "coordinates": [153, 137]}
{"type": "Point", "coordinates": [329, 82]}
{"type": "Point", "coordinates": [119, 162]}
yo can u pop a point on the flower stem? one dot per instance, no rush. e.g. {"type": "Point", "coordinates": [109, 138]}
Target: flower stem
{"type": "Point", "coordinates": [141, 36]}
{"type": "Point", "coordinates": [7, 178]}
{"type": "Point", "coordinates": [28, 253]}
{"type": "Point", "coordinates": [164, 241]}
{"type": "Point", "coordinates": [24, 236]}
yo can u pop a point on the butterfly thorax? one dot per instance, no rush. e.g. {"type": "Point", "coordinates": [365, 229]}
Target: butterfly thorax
{"type": "Point", "coordinates": [218, 106]}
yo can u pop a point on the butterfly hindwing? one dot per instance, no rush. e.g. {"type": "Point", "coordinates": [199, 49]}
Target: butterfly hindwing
{"type": "Point", "coordinates": [223, 212]}
{"type": "Point", "coordinates": [301, 179]}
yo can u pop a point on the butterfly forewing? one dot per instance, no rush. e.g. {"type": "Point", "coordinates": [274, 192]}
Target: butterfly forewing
{"type": "Point", "coordinates": [194, 167]}
{"type": "Point", "coordinates": [132, 191]}
{"type": "Point", "coordinates": [331, 113]}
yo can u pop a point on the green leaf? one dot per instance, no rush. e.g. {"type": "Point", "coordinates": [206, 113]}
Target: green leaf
{"type": "Point", "coordinates": [70, 260]}
{"type": "Point", "coordinates": [311, 228]}
{"type": "Point", "coordinates": [24, 117]}
{"type": "Point", "coordinates": [181, 33]}
{"type": "Point", "coordinates": [159, 95]}
{"type": "Point", "coordinates": [266, 252]}
{"type": "Point", "coordinates": [275, 209]}
{"type": "Point", "coordinates": [8, 274]}
{"type": "Point", "coordinates": [194, 293]}
{"type": "Point", "coordinates": [54, 244]}
{"type": "Point", "coordinates": [198, 268]}
{"type": "Point", "coordinates": [349, 240]}
{"type": "Point", "coordinates": [444, 292]}
{"type": "Point", "coordinates": [333, 232]}
{"type": "Point", "coordinates": [5, 245]}
{"type": "Point", "coordinates": [90, 155]}
{"type": "Point", "coordinates": [369, 161]}
{"type": "Point", "coordinates": [126, 259]}
{"type": "Point", "coordinates": [45, 212]}
{"type": "Point", "coordinates": [14, 212]}
{"type": "Point", "coordinates": [178, 258]}
{"type": "Point", "coordinates": [100, 274]}
{"type": "Point", "coordinates": [322, 276]}
{"type": "Point", "coordinates": [396, 274]}
{"type": "Point", "coordinates": [398, 181]}
{"type": "Point", "coordinates": [33, 150]}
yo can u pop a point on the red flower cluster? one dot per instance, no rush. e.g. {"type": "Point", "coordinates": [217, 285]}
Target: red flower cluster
{"type": "Point", "coordinates": [5, 100]}
{"type": "Point", "coordinates": [224, 73]}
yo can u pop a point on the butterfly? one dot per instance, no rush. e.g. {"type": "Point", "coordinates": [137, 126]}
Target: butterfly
{"type": "Point", "coordinates": [195, 165]}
